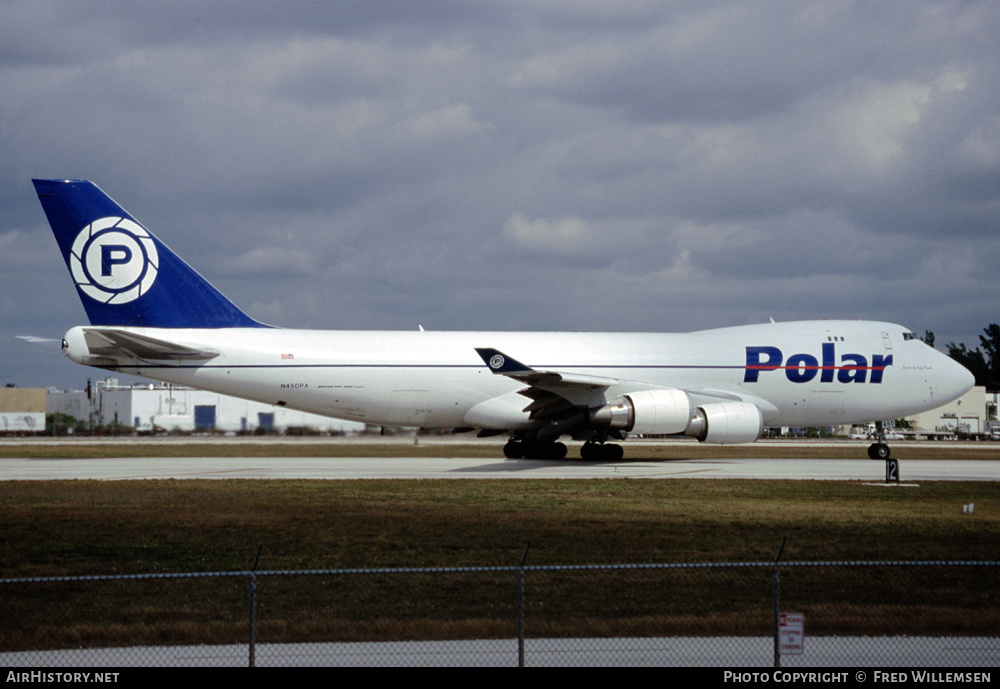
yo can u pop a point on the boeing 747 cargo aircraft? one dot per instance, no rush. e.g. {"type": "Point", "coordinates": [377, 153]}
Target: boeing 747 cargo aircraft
{"type": "Point", "coordinates": [152, 315]}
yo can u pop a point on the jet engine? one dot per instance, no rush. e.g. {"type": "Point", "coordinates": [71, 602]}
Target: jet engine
{"type": "Point", "coordinates": [726, 423]}
{"type": "Point", "coordinates": [670, 412]}
{"type": "Point", "coordinates": [650, 412]}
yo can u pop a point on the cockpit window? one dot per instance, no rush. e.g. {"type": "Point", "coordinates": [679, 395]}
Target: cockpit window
{"type": "Point", "coordinates": [910, 336]}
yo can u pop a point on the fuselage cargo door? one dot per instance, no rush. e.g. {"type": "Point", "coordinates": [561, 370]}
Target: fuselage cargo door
{"type": "Point", "coordinates": [408, 408]}
{"type": "Point", "coordinates": [827, 407]}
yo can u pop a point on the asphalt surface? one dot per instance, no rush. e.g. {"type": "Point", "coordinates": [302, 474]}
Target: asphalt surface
{"type": "Point", "coordinates": [347, 468]}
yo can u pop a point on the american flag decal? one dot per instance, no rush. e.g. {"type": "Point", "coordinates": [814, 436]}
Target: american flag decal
{"type": "Point", "coordinates": [287, 356]}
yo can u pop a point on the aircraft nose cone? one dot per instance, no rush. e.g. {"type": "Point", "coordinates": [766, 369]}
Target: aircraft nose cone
{"type": "Point", "coordinates": [955, 379]}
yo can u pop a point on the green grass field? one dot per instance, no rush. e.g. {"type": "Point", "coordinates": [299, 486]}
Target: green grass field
{"type": "Point", "coordinates": [66, 528]}
{"type": "Point", "coordinates": [62, 528]}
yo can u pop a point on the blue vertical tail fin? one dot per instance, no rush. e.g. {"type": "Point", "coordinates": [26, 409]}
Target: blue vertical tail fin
{"type": "Point", "coordinates": [125, 276]}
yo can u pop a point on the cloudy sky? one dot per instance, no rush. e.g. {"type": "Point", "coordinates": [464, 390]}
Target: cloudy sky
{"type": "Point", "coordinates": [550, 165]}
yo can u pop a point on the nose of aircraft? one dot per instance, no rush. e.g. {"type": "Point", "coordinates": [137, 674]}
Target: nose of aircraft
{"type": "Point", "coordinates": [954, 380]}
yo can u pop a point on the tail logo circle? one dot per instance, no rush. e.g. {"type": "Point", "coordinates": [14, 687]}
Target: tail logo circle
{"type": "Point", "coordinates": [114, 260]}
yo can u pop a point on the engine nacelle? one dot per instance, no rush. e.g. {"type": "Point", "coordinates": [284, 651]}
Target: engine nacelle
{"type": "Point", "coordinates": [726, 423]}
{"type": "Point", "coordinates": [650, 412]}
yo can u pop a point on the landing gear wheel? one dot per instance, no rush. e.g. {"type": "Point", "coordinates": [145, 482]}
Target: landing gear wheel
{"type": "Point", "coordinates": [514, 449]}
{"type": "Point", "coordinates": [558, 451]}
{"type": "Point", "coordinates": [879, 451]}
{"type": "Point", "coordinates": [602, 453]}
{"type": "Point", "coordinates": [533, 449]}
{"type": "Point", "coordinates": [613, 453]}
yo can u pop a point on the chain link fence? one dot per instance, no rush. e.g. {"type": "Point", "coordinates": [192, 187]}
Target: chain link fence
{"type": "Point", "coordinates": [710, 614]}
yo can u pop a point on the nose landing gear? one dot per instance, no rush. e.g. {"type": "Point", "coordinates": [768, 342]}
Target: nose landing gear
{"type": "Point", "coordinates": [879, 450]}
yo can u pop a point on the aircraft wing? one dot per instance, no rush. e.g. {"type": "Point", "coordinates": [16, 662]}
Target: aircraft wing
{"type": "Point", "coordinates": [114, 343]}
{"type": "Point", "coordinates": [565, 402]}
{"type": "Point", "coordinates": [557, 397]}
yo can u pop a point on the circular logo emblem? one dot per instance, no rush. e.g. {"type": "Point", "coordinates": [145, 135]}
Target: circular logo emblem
{"type": "Point", "coordinates": [496, 361]}
{"type": "Point", "coordinates": [114, 260]}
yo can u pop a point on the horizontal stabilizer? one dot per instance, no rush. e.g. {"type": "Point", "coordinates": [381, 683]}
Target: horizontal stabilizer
{"type": "Point", "coordinates": [44, 341]}
{"type": "Point", "coordinates": [106, 342]}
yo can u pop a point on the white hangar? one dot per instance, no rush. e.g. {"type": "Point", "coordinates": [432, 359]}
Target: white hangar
{"type": "Point", "coordinates": [164, 408]}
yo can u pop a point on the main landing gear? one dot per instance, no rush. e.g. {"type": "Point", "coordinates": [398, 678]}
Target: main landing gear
{"type": "Point", "coordinates": [517, 448]}
{"type": "Point", "coordinates": [604, 452]}
{"type": "Point", "coordinates": [533, 449]}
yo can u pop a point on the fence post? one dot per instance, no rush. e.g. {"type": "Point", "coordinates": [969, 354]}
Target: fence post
{"type": "Point", "coordinates": [520, 606]}
{"type": "Point", "coordinates": [253, 605]}
{"type": "Point", "coordinates": [776, 598]}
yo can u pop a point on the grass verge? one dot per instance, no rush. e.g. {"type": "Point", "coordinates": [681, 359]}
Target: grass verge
{"type": "Point", "coordinates": [67, 528]}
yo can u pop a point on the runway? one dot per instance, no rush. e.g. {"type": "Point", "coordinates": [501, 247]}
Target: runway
{"type": "Point", "coordinates": [351, 468]}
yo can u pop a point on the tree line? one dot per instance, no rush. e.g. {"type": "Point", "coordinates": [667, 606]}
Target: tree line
{"type": "Point", "coordinates": [983, 361]}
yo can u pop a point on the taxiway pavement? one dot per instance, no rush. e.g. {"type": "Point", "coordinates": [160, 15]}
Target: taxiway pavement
{"type": "Point", "coordinates": [347, 468]}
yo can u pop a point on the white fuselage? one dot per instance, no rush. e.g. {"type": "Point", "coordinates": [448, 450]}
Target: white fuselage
{"type": "Point", "coordinates": [798, 374]}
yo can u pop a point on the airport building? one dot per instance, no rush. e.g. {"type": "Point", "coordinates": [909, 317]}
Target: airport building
{"type": "Point", "coordinates": [973, 414]}
{"type": "Point", "coordinates": [22, 410]}
{"type": "Point", "coordinates": [162, 408]}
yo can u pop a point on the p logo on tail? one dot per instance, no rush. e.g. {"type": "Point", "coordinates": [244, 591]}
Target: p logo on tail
{"type": "Point", "coordinates": [124, 275]}
{"type": "Point", "coordinates": [114, 260]}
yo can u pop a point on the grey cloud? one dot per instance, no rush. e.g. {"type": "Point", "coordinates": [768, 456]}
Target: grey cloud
{"type": "Point", "coordinates": [641, 165]}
